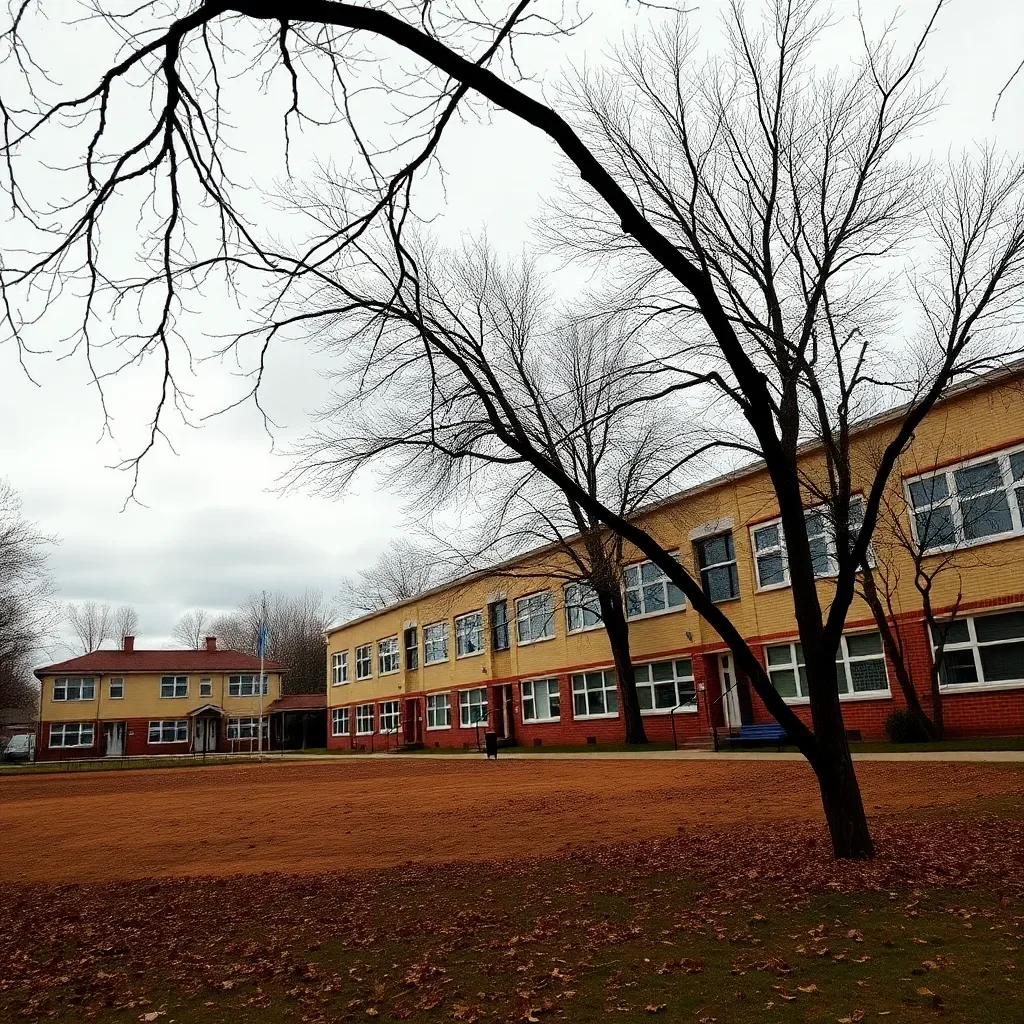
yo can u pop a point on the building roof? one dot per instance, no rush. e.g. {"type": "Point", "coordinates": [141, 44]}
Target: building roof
{"type": "Point", "coordinates": [299, 702]}
{"type": "Point", "coordinates": [125, 662]}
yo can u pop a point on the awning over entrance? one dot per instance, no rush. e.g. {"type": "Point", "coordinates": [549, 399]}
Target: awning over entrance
{"type": "Point", "coordinates": [207, 709]}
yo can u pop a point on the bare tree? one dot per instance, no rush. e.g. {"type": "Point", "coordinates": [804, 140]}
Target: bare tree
{"type": "Point", "coordinates": [125, 622]}
{"type": "Point", "coordinates": [192, 629]}
{"type": "Point", "coordinates": [91, 623]}
{"type": "Point", "coordinates": [752, 208]}
{"type": "Point", "coordinates": [400, 572]}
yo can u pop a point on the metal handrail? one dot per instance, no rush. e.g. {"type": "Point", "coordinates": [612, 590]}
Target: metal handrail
{"type": "Point", "coordinates": [672, 717]}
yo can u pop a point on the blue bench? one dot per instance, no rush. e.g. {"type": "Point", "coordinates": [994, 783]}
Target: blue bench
{"type": "Point", "coordinates": [757, 735]}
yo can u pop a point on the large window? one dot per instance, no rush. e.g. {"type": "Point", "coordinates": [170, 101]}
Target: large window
{"type": "Point", "coordinates": [541, 700]}
{"type": "Point", "coordinates": [664, 685]}
{"type": "Point", "coordinates": [860, 667]}
{"type": "Point", "coordinates": [535, 619]}
{"type": "Point", "coordinates": [247, 728]}
{"type": "Point", "coordinates": [439, 711]}
{"type": "Point", "coordinates": [716, 557]}
{"type": "Point", "coordinates": [970, 503]}
{"type": "Point", "coordinates": [339, 721]}
{"type": "Point", "coordinates": [364, 661]}
{"type": "Point", "coordinates": [498, 615]}
{"type": "Point", "coordinates": [247, 685]}
{"type": "Point", "coordinates": [174, 686]}
{"type": "Point", "coordinates": [412, 648]}
{"type": "Point", "coordinates": [982, 650]}
{"type": "Point", "coordinates": [435, 643]}
{"type": "Point", "coordinates": [170, 731]}
{"type": "Point", "coordinates": [469, 635]}
{"type": "Point", "coordinates": [72, 734]}
{"type": "Point", "coordinates": [117, 689]}
{"type": "Point", "coordinates": [594, 695]}
{"type": "Point", "coordinates": [388, 717]}
{"type": "Point", "coordinates": [339, 668]}
{"type": "Point", "coordinates": [648, 591]}
{"type": "Point", "coordinates": [74, 688]}
{"type": "Point", "coordinates": [364, 719]}
{"type": "Point", "coordinates": [387, 655]}
{"type": "Point", "coordinates": [205, 687]}
{"type": "Point", "coordinates": [472, 707]}
{"type": "Point", "coordinates": [771, 560]}
{"type": "Point", "coordinates": [582, 607]}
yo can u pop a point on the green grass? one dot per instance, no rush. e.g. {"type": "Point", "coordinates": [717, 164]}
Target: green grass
{"type": "Point", "coordinates": [102, 765]}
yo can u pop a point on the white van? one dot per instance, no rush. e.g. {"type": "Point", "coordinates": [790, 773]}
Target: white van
{"type": "Point", "coordinates": [21, 748]}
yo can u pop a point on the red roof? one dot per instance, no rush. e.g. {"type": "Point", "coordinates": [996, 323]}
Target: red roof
{"type": "Point", "coordinates": [300, 702]}
{"type": "Point", "coordinates": [105, 662]}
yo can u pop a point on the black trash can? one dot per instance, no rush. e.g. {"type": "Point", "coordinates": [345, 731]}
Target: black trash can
{"type": "Point", "coordinates": [491, 744]}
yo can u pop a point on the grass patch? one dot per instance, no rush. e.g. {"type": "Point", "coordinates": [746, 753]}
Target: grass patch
{"type": "Point", "coordinates": [129, 764]}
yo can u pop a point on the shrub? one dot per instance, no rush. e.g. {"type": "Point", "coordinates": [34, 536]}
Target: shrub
{"type": "Point", "coordinates": [903, 727]}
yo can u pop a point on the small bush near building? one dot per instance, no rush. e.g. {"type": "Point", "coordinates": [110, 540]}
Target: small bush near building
{"type": "Point", "coordinates": [902, 727]}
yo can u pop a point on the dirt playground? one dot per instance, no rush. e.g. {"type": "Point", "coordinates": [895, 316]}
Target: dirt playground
{"type": "Point", "coordinates": [325, 815]}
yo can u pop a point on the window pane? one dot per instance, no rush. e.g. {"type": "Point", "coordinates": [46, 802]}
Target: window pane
{"type": "Point", "coordinates": [684, 667]}
{"type": "Point", "coordinates": [784, 682]}
{"type": "Point", "coordinates": [814, 523]}
{"type": "Point", "coordinates": [631, 575]}
{"type": "Point", "coordinates": [819, 556]}
{"type": "Point", "coordinates": [955, 632]}
{"type": "Point", "coordinates": [676, 596]}
{"type": "Point", "coordinates": [766, 537]}
{"type": "Point", "coordinates": [926, 492]}
{"type": "Point", "coordinates": [722, 583]}
{"type": "Point", "coordinates": [868, 675]}
{"type": "Point", "coordinates": [1008, 626]}
{"type": "Point", "coordinates": [611, 701]}
{"type": "Point", "coordinates": [654, 598]}
{"type": "Point", "coordinates": [957, 668]}
{"type": "Point", "coordinates": [1002, 662]}
{"type": "Point", "coordinates": [632, 603]}
{"type": "Point", "coordinates": [976, 479]}
{"type": "Point", "coordinates": [579, 704]}
{"type": "Point", "coordinates": [665, 695]}
{"type": "Point", "coordinates": [662, 671]}
{"type": "Point", "coordinates": [1017, 466]}
{"type": "Point", "coordinates": [649, 572]}
{"type": "Point", "coordinates": [986, 516]}
{"type": "Point", "coordinates": [717, 549]}
{"type": "Point", "coordinates": [864, 643]}
{"type": "Point", "coordinates": [935, 527]}
{"type": "Point", "coordinates": [771, 569]}
{"type": "Point", "coordinates": [780, 655]}
{"type": "Point", "coordinates": [643, 694]}
{"type": "Point", "coordinates": [595, 702]}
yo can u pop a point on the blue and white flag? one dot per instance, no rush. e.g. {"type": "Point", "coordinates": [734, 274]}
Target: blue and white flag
{"type": "Point", "coordinates": [262, 640]}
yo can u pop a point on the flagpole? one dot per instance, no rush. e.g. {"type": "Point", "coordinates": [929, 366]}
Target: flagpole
{"type": "Point", "coordinates": [263, 646]}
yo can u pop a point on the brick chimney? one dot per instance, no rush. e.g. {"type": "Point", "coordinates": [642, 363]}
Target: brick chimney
{"type": "Point", "coordinates": [211, 643]}
{"type": "Point", "coordinates": [128, 644]}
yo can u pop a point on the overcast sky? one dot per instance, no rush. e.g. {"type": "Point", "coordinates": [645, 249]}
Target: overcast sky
{"type": "Point", "coordinates": [210, 528]}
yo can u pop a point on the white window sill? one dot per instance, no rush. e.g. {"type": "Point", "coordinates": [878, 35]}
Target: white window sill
{"type": "Point", "coordinates": [435, 661]}
{"type": "Point", "coordinates": [976, 543]}
{"type": "Point", "coordinates": [73, 700]}
{"type": "Point", "coordinates": [951, 689]}
{"type": "Point", "coordinates": [472, 654]}
{"type": "Point", "coordinates": [537, 640]}
{"type": "Point", "coordinates": [362, 679]}
{"type": "Point", "coordinates": [364, 734]}
{"type": "Point", "coordinates": [439, 728]}
{"type": "Point", "coordinates": [586, 629]}
{"type": "Point", "coordinates": [591, 718]}
{"type": "Point", "coordinates": [686, 709]}
{"type": "Point", "coordinates": [541, 721]}
{"type": "Point", "coordinates": [656, 615]}
{"type": "Point", "coordinates": [393, 672]}
{"type": "Point", "coordinates": [845, 698]}
{"type": "Point", "coordinates": [122, 698]}
{"type": "Point", "coordinates": [344, 682]}
{"type": "Point", "coordinates": [339, 735]}
{"type": "Point", "coordinates": [184, 696]}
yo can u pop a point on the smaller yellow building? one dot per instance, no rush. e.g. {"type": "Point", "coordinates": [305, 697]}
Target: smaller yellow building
{"type": "Point", "coordinates": [127, 702]}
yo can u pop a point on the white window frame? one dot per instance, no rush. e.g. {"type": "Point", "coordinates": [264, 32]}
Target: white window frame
{"type": "Point", "coordinates": [362, 716]}
{"type": "Point", "coordinates": [61, 729]}
{"type": "Point", "coordinates": [206, 687]}
{"type": "Point", "coordinates": [387, 654]}
{"type": "Point", "coordinates": [580, 597]}
{"type": "Point", "coordinates": [340, 721]}
{"type": "Point", "coordinates": [734, 562]}
{"type": "Point", "coordinates": [466, 703]}
{"type": "Point", "coordinates": [843, 663]}
{"type": "Point", "coordinates": [609, 685]}
{"type": "Point", "coordinates": [389, 717]}
{"type": "Point", "coordinates": [117, 681]}
{"type": "Point", "coordinates": [364, 661]}
{"type": "Point", "coordinates": [339, 668]}
{"type": "Point", "coordinates": [679, 676]}
{"type": "Point", "coordinates": [528, 696]}
{"type": "Point", "coordinates": [176, 683]}
{"type": "Point", "coordinates": [1010, 487]}
{"type": "Point", "coordinates": [241, 727]}
{"type": "Point", "coordinates": [160, 726]}
{"type": "Point", "coordinates": [524, 602]}
{"type": "Point", "coordinates": [640, 585]}
{"type": "Point", "coordinates": [62, 684]}
{"type": "Point", "coordinates": [247, 684]}
{"type": "Point", "coordinates": [435, 636]}
{"type": "Point", "coordinates": [856, 500]}
{"type": "Point", "coordinates": [474, 635]}
{"type": "Point", "coordinates": [494, 627]}
{"type": "Point", "coordinates": [439, 705]}
{"type": "Point", "coordinates": [411, 643]}
{"type": "Point", "coordinates": [974, 645]}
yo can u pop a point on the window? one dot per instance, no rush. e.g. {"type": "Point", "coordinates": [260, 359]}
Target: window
{"type": "Point", "coordinates": [771, 560]}
{"type": "Point", "coordinates": [582, 608]}
{"type": "Point", "coordinates": [535, 619]}
{"type": "Point", "coordinates": [364, 719]}
{"type": "Point", "coordinates": [339, 668]}
{"type": "Point", "coordinates": [472, 708]}
{"type": "Point", "coordinates": [412, 648]}
{"type": "Point", "coordinates": [860, 666]}
{"type": "Point", "coordinates": [339, 721]}
{"type": "Point", "coordinates": [74, 688]}
{"type": "Point", "coordinates": [116, 689]}
{"type": "Point", "coordinates": [246, 686]}
{"type": "Point", "coordinates": [984, 650]}
{"type": "Point", "coordinates": [647, 590]}
{"type": "Point", "coordinates": [435, 643]}
{"type": "Point", "coordinates": [469, 635]}
{"type": "Point", "coordinates": [970, 503]}
{"type": "Point", "coordinates": [716, 557]}
{"type": "Point", "coordinates": [388, 716]}
{"type": "Point", "coordinates": [498, 615]}
{"type": "Point", "coordinates": [172, 731]}
{"type": "Point", "coordinates": [72, 734]}
{"type": "Point", "coordinates": [594, 695]}
{"type": "Point", "coordinates": [387, 656]}
{"type": "Point", "coordinates": [541, 701]}
{"type": "Point", "coordinates": [174, 686]}
{"type": "Point", "coordinates": [664, 685]}
{"type": "Point", "coordinates": [205, 687]}
{"type": "Point", "coordinates": [245, 728]}
{"type": "Point", "coordinates": [364, 661]}
{"type": "Point", "coordinates": [439, 711]}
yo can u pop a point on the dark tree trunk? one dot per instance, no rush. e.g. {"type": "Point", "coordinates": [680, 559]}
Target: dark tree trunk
{"type": "Point", "coordinates": [614, 615]}
{"type": "Point", "coordinates": [938, 723]}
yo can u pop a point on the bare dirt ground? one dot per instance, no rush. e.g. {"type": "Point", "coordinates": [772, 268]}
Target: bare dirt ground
{"type": "Point", "coordinates": [325, 816]}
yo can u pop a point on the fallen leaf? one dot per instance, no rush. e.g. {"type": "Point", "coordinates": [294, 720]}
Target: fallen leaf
{"type": "Point", "coordinates": [654, 1008]}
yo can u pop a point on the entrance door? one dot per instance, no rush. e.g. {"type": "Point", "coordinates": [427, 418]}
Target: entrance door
{"type": "Point", "coordinates": [113, 739]}
{"type": "Point", "coordinates": [509, 714]}
{"type": "Point", "coordinates": [206, 734]}
{"type": "Point", "coordinates": [730, 694]}
{"type": "Point", "coordinates": [411, 722]}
